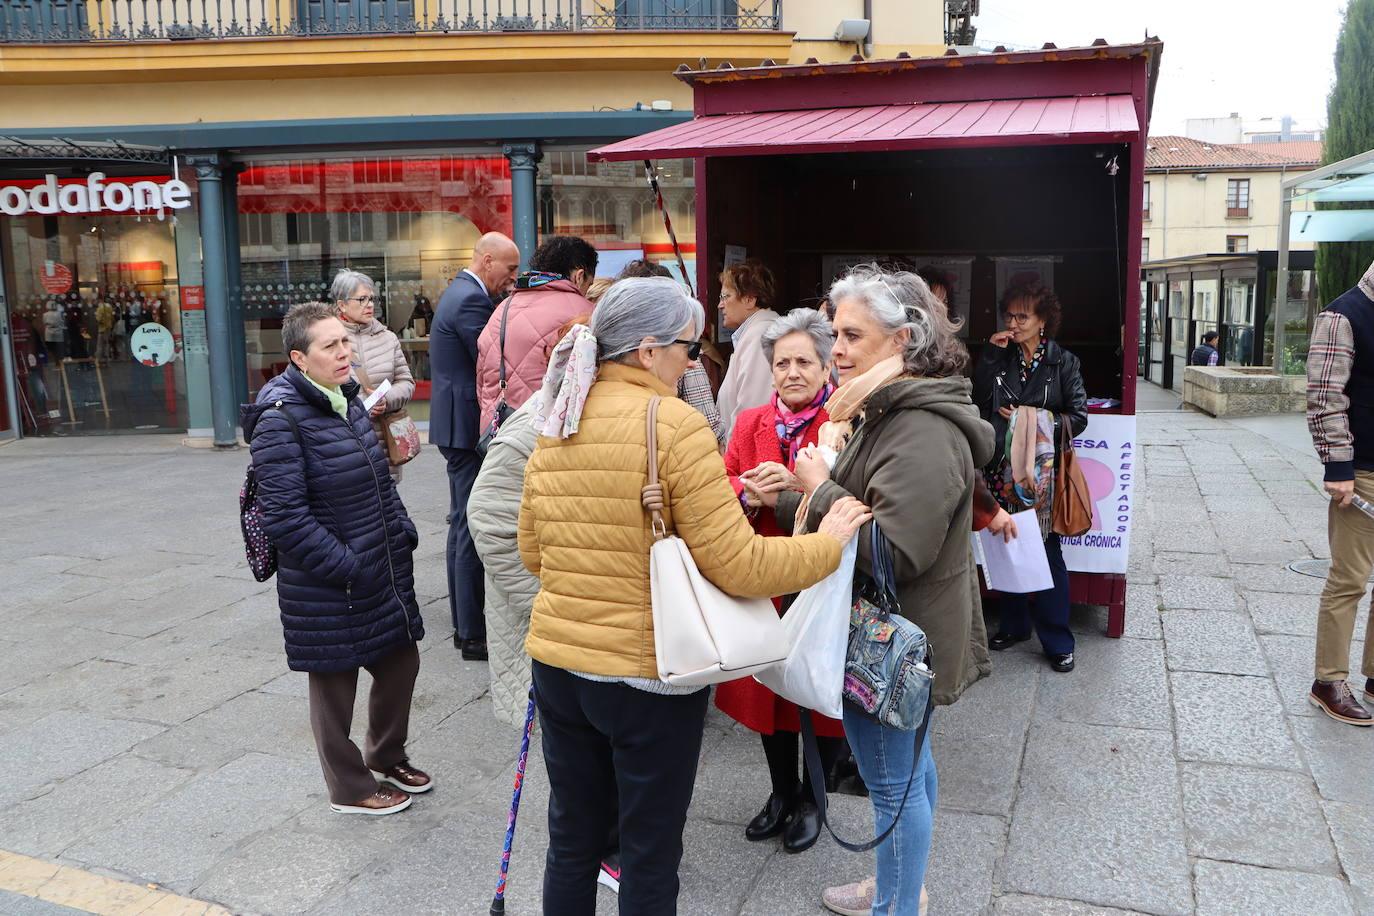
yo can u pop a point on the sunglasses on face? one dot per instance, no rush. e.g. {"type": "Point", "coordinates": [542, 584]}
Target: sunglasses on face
{"type": "Point", "coordinates": [693, 347]}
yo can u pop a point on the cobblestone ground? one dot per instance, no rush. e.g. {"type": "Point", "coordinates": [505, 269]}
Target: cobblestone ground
{"type": "Point", "coordinates": [149, 729]}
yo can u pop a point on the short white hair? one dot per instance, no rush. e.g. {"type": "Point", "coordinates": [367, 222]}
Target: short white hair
{"type": "Point", "coordinates": [800, 321]}
{"type": "Point", "coordinates": [347, 282]}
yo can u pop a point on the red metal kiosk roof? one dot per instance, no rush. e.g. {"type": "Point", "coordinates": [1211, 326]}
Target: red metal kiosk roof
{"type": "Point", "coordinates": [871, 128]}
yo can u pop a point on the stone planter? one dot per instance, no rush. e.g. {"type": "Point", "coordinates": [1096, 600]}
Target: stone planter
{"type": "Point", "coordinates": [1243, 391]}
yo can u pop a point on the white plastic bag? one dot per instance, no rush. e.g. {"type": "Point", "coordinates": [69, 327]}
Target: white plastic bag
{"type": "Point", "coordinates": [817, 630]}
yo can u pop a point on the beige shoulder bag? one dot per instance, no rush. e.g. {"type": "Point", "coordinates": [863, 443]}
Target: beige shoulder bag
{"type": "Point", "coordinates": [701, 635]}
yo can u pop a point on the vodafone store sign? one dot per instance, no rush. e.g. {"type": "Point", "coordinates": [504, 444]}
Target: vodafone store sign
{"type": "Point", "coordinates": [94, 195]}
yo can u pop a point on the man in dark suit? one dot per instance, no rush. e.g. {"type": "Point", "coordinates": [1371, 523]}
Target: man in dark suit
{"type": "Point", "coordinates": [458, 321]}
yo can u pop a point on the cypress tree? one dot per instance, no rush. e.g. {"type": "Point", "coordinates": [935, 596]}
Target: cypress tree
{"type": "Point", "coordinates": [1349, 132]}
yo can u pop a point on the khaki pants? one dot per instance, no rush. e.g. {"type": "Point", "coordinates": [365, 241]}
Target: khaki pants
{"type": "Point", "coordinates": [346, 771]}
{"type": "Point", "coordinates": [1351, 534]}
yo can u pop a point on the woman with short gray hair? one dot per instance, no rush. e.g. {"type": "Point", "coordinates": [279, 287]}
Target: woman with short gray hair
{"type": "Point", "coordinates": [616, 737]}
{"type": "Point", "coordinates": [377, 353]}
{"type": "Point", "coordinates": [909, 443]}
{"type": "Point", "coordinates": [760, 460]}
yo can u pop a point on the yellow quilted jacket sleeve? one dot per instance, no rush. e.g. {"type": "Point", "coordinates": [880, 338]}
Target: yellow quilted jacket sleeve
{"type": "Point", "coordinates": [707, 515]}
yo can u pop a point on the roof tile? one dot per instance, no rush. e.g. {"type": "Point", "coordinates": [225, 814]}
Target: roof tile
{"type": "Point", "coordinates": [1173, 152]}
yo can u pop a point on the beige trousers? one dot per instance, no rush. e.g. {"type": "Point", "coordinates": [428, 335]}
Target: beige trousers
{"type": "Point", "coordinates": [1351, 534]}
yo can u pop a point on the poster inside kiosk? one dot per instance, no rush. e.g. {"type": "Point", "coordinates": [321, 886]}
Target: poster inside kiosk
{"type": "Point", "coordinates": [94, 194]}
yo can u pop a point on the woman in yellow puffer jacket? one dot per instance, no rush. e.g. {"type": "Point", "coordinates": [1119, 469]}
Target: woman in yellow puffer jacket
{"type": "Point", "coordinates": [611, 729]}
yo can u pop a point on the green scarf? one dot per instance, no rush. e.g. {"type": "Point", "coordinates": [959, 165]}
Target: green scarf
{"type": "Point", "coordinates": [336, 398]}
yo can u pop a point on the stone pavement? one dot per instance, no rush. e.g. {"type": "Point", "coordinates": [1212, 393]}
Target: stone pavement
{"type": "Point", "coordinates": [149, 730]}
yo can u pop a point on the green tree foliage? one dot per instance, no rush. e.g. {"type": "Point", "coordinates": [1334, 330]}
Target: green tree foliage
{"type": "Point", "coordinates": [1349, 132]}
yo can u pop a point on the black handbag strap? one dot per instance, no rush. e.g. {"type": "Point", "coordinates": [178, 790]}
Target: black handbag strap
{"type": "Point", "coordinates": [816, 774]}
{"type": "Point", "coordinates": [505, 313]}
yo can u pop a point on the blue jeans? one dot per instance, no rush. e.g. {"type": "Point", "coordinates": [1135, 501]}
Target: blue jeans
{"type": "Point", "coordinates": [886, 757]}
{"type": "Point", "coordinates": [1047, 610]}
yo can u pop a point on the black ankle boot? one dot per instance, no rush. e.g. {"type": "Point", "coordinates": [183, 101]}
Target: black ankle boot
{"type": "Point", "coordinates": [804, 830]}
{"type": "Point", "coordinates": [773, 819]}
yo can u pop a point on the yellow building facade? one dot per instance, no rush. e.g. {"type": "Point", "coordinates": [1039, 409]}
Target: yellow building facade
{"type": "Point", "coordinates": [379, 135]}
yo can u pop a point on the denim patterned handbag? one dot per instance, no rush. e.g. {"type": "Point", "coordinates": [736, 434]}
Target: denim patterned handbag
{"type": "Point", "coordinates": [887, 670]}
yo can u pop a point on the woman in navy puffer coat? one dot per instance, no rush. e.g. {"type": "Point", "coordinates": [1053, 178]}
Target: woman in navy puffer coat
{"type": "Point", "coordinates": [345, 580]}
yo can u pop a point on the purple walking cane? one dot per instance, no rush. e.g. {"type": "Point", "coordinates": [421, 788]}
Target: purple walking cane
{"type": "Point", "coordinates": [498, 903]}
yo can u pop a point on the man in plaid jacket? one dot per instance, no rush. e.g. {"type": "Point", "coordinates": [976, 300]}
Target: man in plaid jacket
{"type": "Point", "coordinates": [1340, 415]}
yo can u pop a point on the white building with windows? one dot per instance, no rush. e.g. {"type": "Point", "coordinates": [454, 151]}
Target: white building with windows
{"type": "Point", "coordinates": [1214, 198]}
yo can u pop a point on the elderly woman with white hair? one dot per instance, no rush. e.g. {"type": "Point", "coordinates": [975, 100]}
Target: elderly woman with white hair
{"type": "Point", "coordinates": [612, 730]}
{"type": "Point", "coordinates": [377, 353]}
{"type": "Point", "coordinates": [910, 444]}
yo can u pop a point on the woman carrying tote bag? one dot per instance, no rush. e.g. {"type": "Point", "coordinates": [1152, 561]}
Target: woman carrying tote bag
{"type": "Point", "coordinates": [611, 728]}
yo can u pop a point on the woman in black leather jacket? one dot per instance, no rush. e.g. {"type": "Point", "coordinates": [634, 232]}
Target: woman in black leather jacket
{"type": "Point", "coordinates": [1024, 366]}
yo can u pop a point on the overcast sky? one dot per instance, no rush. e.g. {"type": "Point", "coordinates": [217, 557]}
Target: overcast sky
{"type": "Point", "coordinates": [1261, 58]}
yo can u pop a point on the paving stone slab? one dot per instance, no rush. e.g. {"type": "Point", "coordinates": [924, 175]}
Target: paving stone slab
{"type": "Point", "coordinates": [1260, 817]}
{"type": "Point", "coordinates": [1216, 641]}
{"type": "Point", "coordinates": [61, 813]}
{"type": "Point", "coordinates": [21, 905]}
{"type": "Point", "coordinates": [1174, 563]}
{"type": "Point", "coordinates": [1142, 610]}
{"type": "Point", "coordinates": [1295, 615]}
{"type": "Point", "coordinates": [190, 831]}
{"type": "Point", "coordinates": [1197, 592]}
{"type": "Point", "coordinates": [1099, 819]}
{"type": "Point", "coordinates": [964, 852]}
{"type": "Point", "coordinates": [1225, 888]}
{"type": "Point", "coordinates": [1115, 682]}
{"type": "Point", "coordinates": [1026, 905]}
{"type": "Point", "coordinates": [1274, 577]}
{"type": "Point", "coordinates": [283, 872]}
{"type": "Point", "coordinates": [1352, 828]}
{"type": "Point", "coordinates": [60, 745]}
{"type": "Point", "coordinates": [1222, 718]}
{"type": "Point", "coordinates": [1338, 757]}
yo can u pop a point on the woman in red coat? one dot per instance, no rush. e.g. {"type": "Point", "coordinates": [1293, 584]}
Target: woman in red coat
{"type": "Point", "coordinates": [759, 458]}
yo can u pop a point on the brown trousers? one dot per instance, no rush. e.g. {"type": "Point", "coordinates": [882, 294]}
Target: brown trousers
{"type": "Point", "coordinates": [1351, 534]}
{"type": "Point", "coordinates": [346, 771]}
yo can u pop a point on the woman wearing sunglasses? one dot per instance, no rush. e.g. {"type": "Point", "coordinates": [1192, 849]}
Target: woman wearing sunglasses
{"type": "Point", "coordinates": [615, 737]}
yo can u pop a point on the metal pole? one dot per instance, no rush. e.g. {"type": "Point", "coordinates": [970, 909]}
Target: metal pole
{"type": "Point", "coordinates": [524, 165]}
{"type": "Point", "coordinates": [234, 275]}
{"type": "Point", "coordinates": [1281, 277]}
{"type": "Point", "coordinates": [223, 404]}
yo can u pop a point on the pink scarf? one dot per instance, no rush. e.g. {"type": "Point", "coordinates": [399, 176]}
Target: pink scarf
{"type": "Point", "coordinates": [791, 427]}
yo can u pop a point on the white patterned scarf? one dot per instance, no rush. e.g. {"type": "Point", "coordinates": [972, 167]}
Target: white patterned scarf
{"type": "Point", "coordinates": [572, 369]}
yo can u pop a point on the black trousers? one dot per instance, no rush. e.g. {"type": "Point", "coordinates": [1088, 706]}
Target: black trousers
{"type": "Point", "coordinates": [466, 586]}
{"type": "Point", "coordinates": [605, 743]}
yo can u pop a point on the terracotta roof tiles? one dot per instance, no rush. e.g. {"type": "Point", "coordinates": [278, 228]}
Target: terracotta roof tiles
{"type": "Point", "coordinates": [1172, 152]}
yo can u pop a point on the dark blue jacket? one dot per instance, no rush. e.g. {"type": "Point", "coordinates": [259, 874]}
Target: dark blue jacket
{"type": "Point", "coordinates": [463, 311]}
{"type": "Point", "coordinates": [345, 582]}
{"type": "Point", "coordinates": [1359, 311]}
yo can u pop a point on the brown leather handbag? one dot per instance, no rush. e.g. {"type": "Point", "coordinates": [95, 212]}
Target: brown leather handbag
{"type": "Point", "coordinates": [399, 435]}
{"type": "Point", "coordinates": [1073, 503]}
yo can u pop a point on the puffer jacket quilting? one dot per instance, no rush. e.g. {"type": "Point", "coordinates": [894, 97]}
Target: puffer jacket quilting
{"type": "Point", "coordinates": [584, 531]}
{"type": "Point", "coordinates": [493, 514]}
{"type": "Point", "coordinates": [379, 351]}
{"type": "Point", "coordinates": [345, 580]}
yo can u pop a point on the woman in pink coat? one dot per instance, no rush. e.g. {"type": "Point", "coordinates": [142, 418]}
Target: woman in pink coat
{"type": "Point", "coordinates": [552, 292]}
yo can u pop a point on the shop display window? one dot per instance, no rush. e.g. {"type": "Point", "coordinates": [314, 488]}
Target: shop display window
{"type": "Point", "coordinates": [408, 221]}
{"type": "Point", "coordinates": [611, 205]}
{"type": "Point", "coordinates": [95, 314]}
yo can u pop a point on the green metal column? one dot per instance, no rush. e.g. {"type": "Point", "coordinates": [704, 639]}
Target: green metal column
{"type": "Point", "coordinates": [524, 204]}
{"type": "Point", "coordinates": [223, 403]}
{"type": "Point", "coordinates": [235, 281]}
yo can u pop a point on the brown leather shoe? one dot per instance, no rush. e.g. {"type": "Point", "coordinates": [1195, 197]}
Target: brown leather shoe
{"type": "Point", "coordinates": [408, 779]}
{"type": "Point", "coordinates": [1335, 699]}
{"type": "Point", "coordinates": [385, 800]}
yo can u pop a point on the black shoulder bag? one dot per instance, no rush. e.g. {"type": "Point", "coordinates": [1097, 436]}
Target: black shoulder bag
{"type": "Point", "coordinates": [502, 410]}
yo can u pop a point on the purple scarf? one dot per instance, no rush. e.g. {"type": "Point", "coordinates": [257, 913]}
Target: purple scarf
{"type": "Point", "coordinates": [791, 427]}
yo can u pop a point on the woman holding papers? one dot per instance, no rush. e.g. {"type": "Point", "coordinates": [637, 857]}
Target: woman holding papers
{"type": "Point", "coordinates": [377, 353]}
{"type": "Point", "coordinates": [910, 443]}
{"type": "Point", "coordinates": [1028, 387]}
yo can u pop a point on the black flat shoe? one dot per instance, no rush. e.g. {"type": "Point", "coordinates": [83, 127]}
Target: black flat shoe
{"type": "Point", "coordinates": [1062, 663]}
{"type": "Point", "coordinates": [804, 830]}
{"type": "Point", "coordinates": [472, 650]}
{"type": "Point", "coordinates": [772, 820]}
{"type": "Point", "coordinates": [1005, 641]}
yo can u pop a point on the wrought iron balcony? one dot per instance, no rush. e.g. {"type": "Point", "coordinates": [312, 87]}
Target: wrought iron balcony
{"type": "Point", "coordinates": [82, 21]}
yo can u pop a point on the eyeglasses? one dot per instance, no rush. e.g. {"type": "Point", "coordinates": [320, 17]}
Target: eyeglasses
{"type": "Point", "coordinates": [365, 300]}
{"type": "Point", "coordinates": [1019, 317]}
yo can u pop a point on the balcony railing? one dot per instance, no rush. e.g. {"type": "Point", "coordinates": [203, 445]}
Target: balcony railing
{"type": "Point", "coordinates": [81, 21]}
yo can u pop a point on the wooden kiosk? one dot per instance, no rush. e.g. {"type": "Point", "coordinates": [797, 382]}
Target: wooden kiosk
{"type": "Point", "coordinates": [987, 165]}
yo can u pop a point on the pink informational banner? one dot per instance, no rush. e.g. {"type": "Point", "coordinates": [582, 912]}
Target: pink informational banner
{"type": "Point", "coordinates": [1108, 456]}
